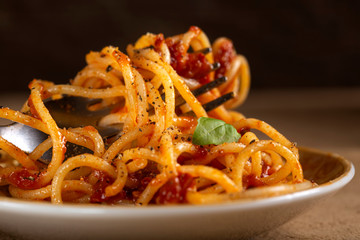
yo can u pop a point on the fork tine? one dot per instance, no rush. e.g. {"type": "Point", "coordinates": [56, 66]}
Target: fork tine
{"type": "Point", "coordinates": [201, 90]}
{"type": "Point", "coordinates": [79, 106]}
{"type": "Point", "coordinates": [217, 102]}
{"type": "Point", "coordinates": [74, 103]}
{"type": "Point", "coordinates": [213, 104]}
{"type": "Point", "coordinates": [69, 103]}
{"type": "Point", "coordinates": [197, 92]}
{"type": "Point", "coordinates": [204, 51]}
{"type": "Point", "coordinates": [215, 66]}
{"type": "Point", "coordinates": [93, 101]}
{"type": "Point", "coordinates": [207, 87]}
{"type": "Point", "coordinates": [71, 111]}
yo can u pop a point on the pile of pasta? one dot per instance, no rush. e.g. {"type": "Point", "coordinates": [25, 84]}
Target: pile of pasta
{"type": "Point", "coordinates": [153, 159]}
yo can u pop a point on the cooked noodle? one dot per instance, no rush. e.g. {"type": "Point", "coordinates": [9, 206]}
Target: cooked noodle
{"type": "Point", "coordinates": [153, 159]}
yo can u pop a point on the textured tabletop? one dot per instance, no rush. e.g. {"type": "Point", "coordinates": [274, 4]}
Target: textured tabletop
{"type": "Point", "coordinates": [327, 119]}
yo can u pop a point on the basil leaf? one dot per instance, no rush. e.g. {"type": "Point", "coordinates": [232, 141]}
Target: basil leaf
{"type": "Point", "coordinates": [214, 131]}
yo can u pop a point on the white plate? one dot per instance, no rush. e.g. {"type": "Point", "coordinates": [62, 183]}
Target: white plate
{"type": "Point", "coordinates": [34, 220]}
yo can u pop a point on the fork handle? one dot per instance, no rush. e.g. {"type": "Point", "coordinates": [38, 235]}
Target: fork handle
{"type": "Point", "coordinates": [27, 139]}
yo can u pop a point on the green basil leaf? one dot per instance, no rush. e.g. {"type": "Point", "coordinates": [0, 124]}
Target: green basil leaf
{"type": "Point", "coordinates": [214, 131]}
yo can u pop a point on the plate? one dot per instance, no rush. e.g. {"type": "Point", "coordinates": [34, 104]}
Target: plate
{"type": "Point", "coordinates": [235, 220]}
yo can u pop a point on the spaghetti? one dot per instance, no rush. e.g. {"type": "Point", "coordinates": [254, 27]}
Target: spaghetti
{"type": "Point", "coordinates": [154, 159]}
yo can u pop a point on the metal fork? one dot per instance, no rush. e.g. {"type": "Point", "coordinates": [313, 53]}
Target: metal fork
{"type": "Point", "coordinates": [70, 112]}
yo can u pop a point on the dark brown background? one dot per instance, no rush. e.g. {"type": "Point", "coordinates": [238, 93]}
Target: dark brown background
{"type": "Point", "coordinates": [288, 43]}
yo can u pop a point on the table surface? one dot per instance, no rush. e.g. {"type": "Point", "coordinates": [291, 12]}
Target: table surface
{"type": "Point", "coordinates": [326, 119]}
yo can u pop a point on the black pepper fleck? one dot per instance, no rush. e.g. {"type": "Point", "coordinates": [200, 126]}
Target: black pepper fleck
{"type": "Point", "coordinates": [109, 68]}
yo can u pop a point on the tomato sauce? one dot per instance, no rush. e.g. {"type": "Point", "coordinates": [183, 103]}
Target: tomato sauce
{"type": "Point", "coordinates": [267, 170]}
{"type": "Point", "coordinates": [224, 55]}
{"type": "Point", "coordinates": [136, 183]}
{"type": "Point", "coordinates": [158, 41]}
{"type": "Point", "coordinates": [216, 164]}
{"type": "Point", "coordinates": [200, 153]}
{"type": "Point", "coordinates": [174, 191]}
{"type": "Point", "coordinates": [24, 179]}
{"type": "Point", "coordinates": [33, 111]}
{"type": "Point", "coordinates": [251, 181]}
{"type": "Point", "coordinates": [189, 65]}
{"type": "Point", "coordinates": [243, 130]}
{"type": "Point", "coordinates": [99, 188]}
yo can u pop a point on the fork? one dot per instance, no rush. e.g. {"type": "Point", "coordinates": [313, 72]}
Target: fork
{"type": "Point", "coordinates": [70, 112]}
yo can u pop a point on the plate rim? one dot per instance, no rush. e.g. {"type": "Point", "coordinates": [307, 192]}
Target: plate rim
{"type": "Point", "coordinates": [33, 208]}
